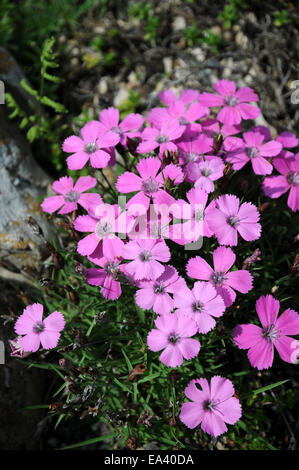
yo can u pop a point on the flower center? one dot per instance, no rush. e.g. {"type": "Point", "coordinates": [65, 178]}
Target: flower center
{"type": "Point", "coordinates": [91, 147]}
{"type": "Point", "coordinates": [103, 229]}
{"type": "Point", "coordinates": [183, 121]}
{"type": "Point", "coordinates": [206, 172]}
{"type": "Point", "coordinates": [218, 277]}
{"type": "Point", "coordinates": [233, 221]}
{"type": "Point", "coordinates": [159, 288]}
{"type": "Point", "coordinates": [191, 157]}
{"type": "Point", "coordinates": [112, 268]}
{"type": "Point", "coordinates": [199, 215]}
{"type": "Point", "coordinates": [231, 100]}
{"type": "Point", "coordinates": [209, 405]}
{"type": "Point", "coordinates": [270, 333]}
{"type": "Point", "coordinates": [252, 152]}
{"type": "Point", "coordinates": [197, 307]}
{"type": "Point", "coordinates": [150, 185]}
{"type": "Point", "coordinates": [72, 196]}
{"type": "Point", "coordinates": [145, 255]}
{"type": "Point", "coordinates": [161, 139]}
{"type": "Point", "coordinates": [173, 338]}
{"type": "Point", "coordinates": [117, 130]}
{"type": "Point", "coordinates": [39, 327]}
{"type": "Point", "coordinates": [293, 178]}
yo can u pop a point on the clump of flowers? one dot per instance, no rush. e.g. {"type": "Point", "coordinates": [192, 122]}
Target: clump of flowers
{"type": "Point", "coordinates": [150, 252]}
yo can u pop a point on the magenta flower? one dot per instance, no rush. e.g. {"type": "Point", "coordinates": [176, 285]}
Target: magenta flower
{"type": "Point", "coordinates": [235, 103]}
{"type": "Point", "coordinates": [204, 173]}
{"type": "Point", "coordinates": [184, 115]}
{"type": "Point", "coordinates": [129, 127]}
{"type": "Point", "coordinates": [230, 218]}
{"type": "Point", "coordinates": [155, 294]}
{"type": "Point", "coordinates": [92, 146]}
{"type": "Point", "coordinates": [192, 149]}
{"type": "Point", "coordinates": [146, 256]}
{"type": "Point", "coordinates": [103, 222]}
{"type": "Point", "coordinates": [223, 281]}
{"type": "Point", "coordinates": [201, 303]}
{"type": "Point", "coordinates": [163, 137]}
{"type": "Point", "coordinates": [287, 139]}
{"type": "Point", "coordinates": [251, 148]}
{"type": "Point", "coordinates": [108, 277]}
{"type": "Point", "coordinates": [273, 334]}
{"type": "Point", "coordinates": [212, 407]}
{"type": "Point", "coordinates": [173, 335]}
{"type": "Point", "coordinates": [69, 196]}
{"type": "Point", "coordinates": [37, 330]}
{"type": "Point", "coordinates": [148, 184]}
{"type": "Point", "coordinates": [168, 97]}
{"type": "Point", "coordinates": [288, 180]}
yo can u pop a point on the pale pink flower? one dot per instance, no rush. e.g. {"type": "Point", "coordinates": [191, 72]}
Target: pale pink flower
{"type": "Point", "coordinates": [288, 180]}
{"type": "Point", "coordinates": [274, 333]}
{"type": "Point", "coordinates": [234, 103]}
{"type": "Point", "coordinates": [192, 149]}
{"type": "Point", "coordinates": [163, 137]}
{"type": "Point", "coordinates": [212, 406]}
{"type": "Point", "coordinates": [168, 97]}
{"type": "Point", "coordinates": [173, 335]}
{"type": "Point", "coordinates": [128, 127]}
{"type": "Point", "coordinates": [155, 294]}
{"type": "Point", "coordinates": [146, 256]}
{"type": "Point", "coordinates": [204, 173]}
{"type": "Point", "coordinates": [202, 303]}
{"type": "Point", "coordinates": [69, 196]}
{"type": "Point", "coordinates": [231, 218]}
{"type": "Point", "coordinates": [92, 146]}
{"type": "Point", "coordinates": [37, 330]}
{"type": "Point", "coordinates": [223, 281]}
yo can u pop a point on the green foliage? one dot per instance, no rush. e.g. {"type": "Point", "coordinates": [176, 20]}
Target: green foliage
{"type": "Point", "coordinates": [143, 11]}
{"type": "Point", "coordinates": [232, 12]}
{"type": "Point", "coordinates": [282, 17]}
{"type": "Point", "coordinates": [38, 124]}
{"type": "Point", "coordinates": [194, 36]}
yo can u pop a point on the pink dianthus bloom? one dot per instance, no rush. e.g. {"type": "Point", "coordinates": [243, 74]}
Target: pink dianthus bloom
{"type": "Point", "coordinates": [92, 146]}
{"type": "Point", "coordinates": [173, 335]}
{"type": "Point", "coordinates": [109, 276]}
{"type": "Point", "coordinates": [163, 138]}
{"type": "Point", "coordinates": [155, 294]}
{"type": "Point", "coordinates": [146, 256]}
{"type": "Point", "coordinates": [192, 149]}
{"type": "Point", "coordinates": [201, 303]}
{"type": "Point", "coordinates": [38, 331]}
{"type": "Point", "coordinates": [149, 184]}
{"type": "Point", "coordinates": [183, 115]}
{"type": "Point", "coordinates": [69, 196]}
{"type": "Point", "coordinates": [273, 334]}
{"type": "Point", "coordinates": [231, 218]}
{"type": "Point", "coordinates": [235, 103]}
{"type": "Point", "coordinates": [204, 173]}
{"type": "Point", "coordinates": [223, 281]}
{"type": "Point", "coordinates": [212, 407]}
{"type": "Point", "coordinates": [188, 96]}
{"type": "Point", "coordinates": [251, 148]}
{"type": "Point", "coordinates": [128, 127]}
{"type": "Point", "coordinates": [275, 186]}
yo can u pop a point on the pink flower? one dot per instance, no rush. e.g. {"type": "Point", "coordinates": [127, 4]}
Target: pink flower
{"type": "Point", "coordinates": [37, 330]}
{"type": "Point", "coordinates": [148, 184]}
{"type": "Point", "coordinates": [94, 139]}
{"type": "Point", "coordinates": [129, 127]}
{"type": "Point", "coordinates": [212, 406]}
{"type": "Point", "coordinates": [273, 334]}
{"type": "Point", "coordinates": [230, 218]}
{"type": "Point", "coordinates": [108, 277]}
{"type": "Point", "coordinates": [235, 103]}
{"type": "Point", "coordinates": [163, 137]}
{"type": "Point", "coordinates": [69, 196]}
{"type": "Point", "coordinates": [155, 294]}
{"type": "Point", "coordinates": [173, 335]}
{"type": "Point", "coordinates": [192, 149]}
{"type": "Point", "coordinates": [205, 172]}
{"type": "Point", "coordinates": [223, 281]}
{"type": "Point", "coordinates": [168, 97]}
{"type": "Point", "coordinates": [201, 303]}
{"type": "Point", "coordinates": [287, 139]}
{"type": "Point", "coordinates": [275, 186]}
{"type": "Point", "coordinates": [103, 222]}
{"type": "Point", "coordinates": [184, 115]}
{"type": "Point", "coordinates": [253, 149]}
{"type": "Point", "coordinates": [146, 255]}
